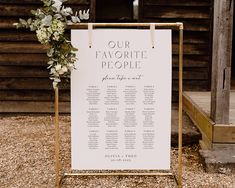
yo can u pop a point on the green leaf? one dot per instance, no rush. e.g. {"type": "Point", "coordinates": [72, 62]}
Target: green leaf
{"type": "Point", "coordinates": [29, 21]}
{"type": "Point", "coordinates": [32, 28]}
{"type": "Point", "coordinates": [50, 62]}
{"type": "Point", "coordinates": [23, 22]}
{"type": "Point", "coordinates": [16, 25]}
{"type": "Point", "coordinates": [74, 49]}
{"type": "Point", "coordinates": [47, 3]}
{"type": "Point", "coordinates": [33, 12]}
{"type": "Point", "coordinates": [49, 66]}
{"type": "Point", "coordinates": [54, 9]}
{"type": "Point", "coordinates": [50, 52]}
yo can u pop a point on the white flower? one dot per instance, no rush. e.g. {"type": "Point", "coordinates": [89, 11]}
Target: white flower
{"type": "Point", "coordinates": [57, 16]}
{"type": "Point", "coordinates": [61, 72]}
{"type": "Point", "coordinates": [57, 26]}
{"type": "Point", "coordinates": [65, 69]}
{"type": "Point", "coordinates": [57, 4]}
{"type": "Point", "coordinates": [50, 52]}
{"type": "Point", "coordinates": [49, 30]}
{"type": "Point", "coordinates": [47, 20]}
{"type": "Point", "coordinates": [58, 67]}
{"type": "Point", "coordinates": [75, 18]}
{"type": "Point", "coordinates": [39, 13]}
{"type": "Point", "coordinates": [56, 29]}
{"type": "Point", "coordinates": [70, 66]}
{"type": "Point", "coordinates": [42, 35]}
{"type": "Point", "coordinates": [66, 11]}
{"type": "Point", "coordinates": [57, 79]}
{"type": "Point", "coordinates": [69, 10]}
{"type": "Point", "coordinates": [56, 36]}
{"type": "Point", "coordinates": [52, 71]}
{"type": "Point", "coordinates": [84, 15]}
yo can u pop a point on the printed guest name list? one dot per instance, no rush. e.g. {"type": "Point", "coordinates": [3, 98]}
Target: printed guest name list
{"type": "Point", "coordinates": [121, 95]}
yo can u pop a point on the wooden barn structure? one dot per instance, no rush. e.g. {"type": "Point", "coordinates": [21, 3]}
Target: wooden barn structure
{"type": "Point", "coordinates": [25, 87]}
{"type": "Point", "coordinates": [23, 74]}
{"type": "Point", "coordinates": [214, 112]}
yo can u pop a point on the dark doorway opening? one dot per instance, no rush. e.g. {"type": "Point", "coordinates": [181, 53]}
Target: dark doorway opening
{"type": "Point", "coordinates": [114, 11]}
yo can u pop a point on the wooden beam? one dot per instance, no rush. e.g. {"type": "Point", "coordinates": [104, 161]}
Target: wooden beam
{"type": "Point", "coordinates": [224, 134]}
{"type": "Point", "coordinates": [221, 61]}
{"type": "Point", "coordinates": [179, 3]}
{"type": "Point", "coordinates": [200, 119]}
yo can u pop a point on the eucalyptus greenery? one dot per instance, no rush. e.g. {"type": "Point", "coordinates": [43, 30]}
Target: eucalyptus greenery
{"type": "Point", "coordinates": [49, 23]}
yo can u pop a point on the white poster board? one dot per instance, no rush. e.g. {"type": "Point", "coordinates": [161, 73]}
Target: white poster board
{"type": "Point", "coordinates": [121, 100]}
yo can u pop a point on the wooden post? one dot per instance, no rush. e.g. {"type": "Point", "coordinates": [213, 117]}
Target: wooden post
{"type": "Point", "coordinates": [93, 10]}
{"type": "Point", "coordinates": [221, 61]}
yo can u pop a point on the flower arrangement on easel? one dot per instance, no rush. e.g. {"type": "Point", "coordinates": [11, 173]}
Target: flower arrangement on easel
{"type": "Point", "coordinates": [49, 24]}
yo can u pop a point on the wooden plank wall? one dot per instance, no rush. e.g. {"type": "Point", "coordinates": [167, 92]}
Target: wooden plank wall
{"type": "Point", "coordinates": [114, 11]}
{"type": "Point", "coordinates": [24, 82]}
{"type": "Point", "coordinates": [197, 16]}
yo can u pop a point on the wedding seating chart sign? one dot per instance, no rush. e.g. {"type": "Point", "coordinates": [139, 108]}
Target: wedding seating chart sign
{"type": "Point", "coordinates": [121, 99]}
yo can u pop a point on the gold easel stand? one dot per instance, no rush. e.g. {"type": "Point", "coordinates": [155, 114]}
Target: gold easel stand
{"type": "Point", "coordinates": [57, 140]}
{"type": "Point", "coordinates": [58, 178]}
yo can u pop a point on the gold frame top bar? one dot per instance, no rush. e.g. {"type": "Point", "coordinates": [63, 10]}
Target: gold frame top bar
{"type": "Point", "coordinates": [85, 25]}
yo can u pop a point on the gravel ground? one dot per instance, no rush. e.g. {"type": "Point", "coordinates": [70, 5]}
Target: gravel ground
{"type": "Point", "coordinates": [27, 160]}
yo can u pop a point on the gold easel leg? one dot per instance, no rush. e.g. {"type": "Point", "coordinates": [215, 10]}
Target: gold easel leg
{"type": "Point", "coordinates": [57, 140]}
{"type": "Point", "coordinates": [180, 105]}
